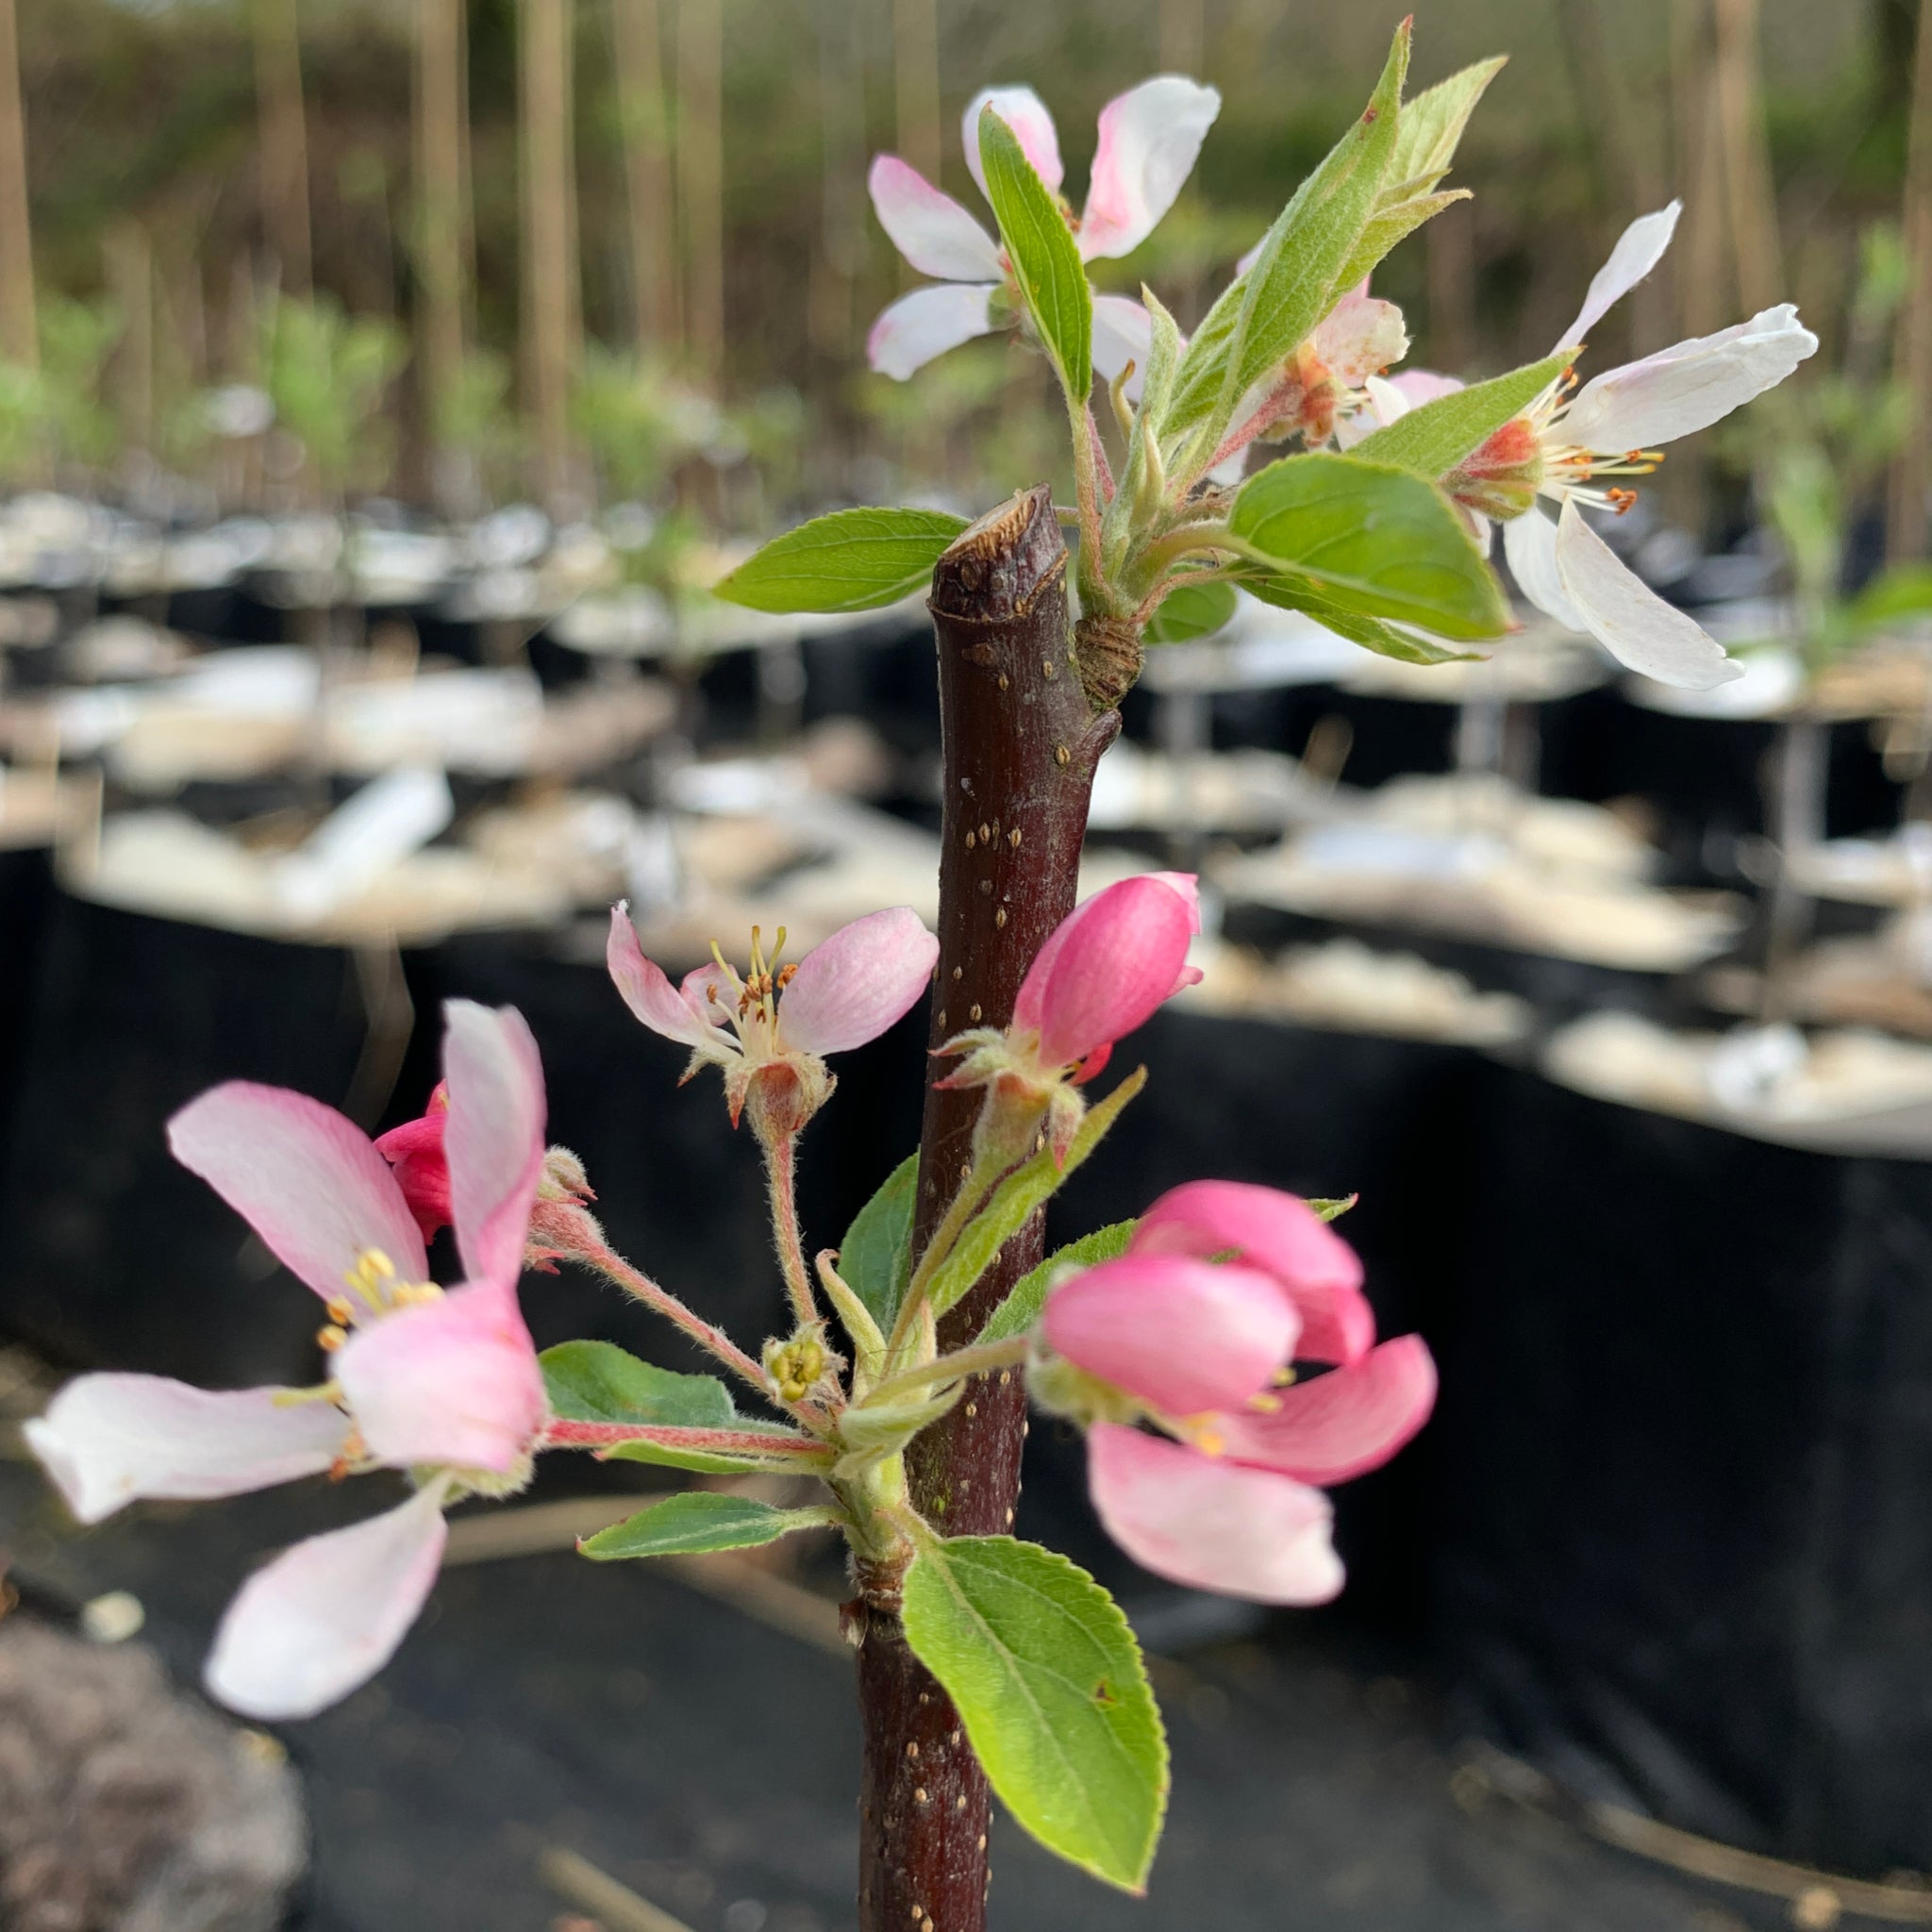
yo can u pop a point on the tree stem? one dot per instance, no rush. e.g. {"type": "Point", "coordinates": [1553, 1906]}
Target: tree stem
{"type": "Point", "coordinates": [1021, 743]}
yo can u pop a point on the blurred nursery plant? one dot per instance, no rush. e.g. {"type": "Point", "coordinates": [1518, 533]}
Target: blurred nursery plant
{"type": "Point", "coordinates": [1220, 1353]}
{"type": "Point", "coordinates": [326, 373]}
{"type": "Point", "coordinates": [56, 417]}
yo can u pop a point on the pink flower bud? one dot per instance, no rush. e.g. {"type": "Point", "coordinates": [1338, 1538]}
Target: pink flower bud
{"type": "Point", "coordinates": [1107, 966]}
{"type": "Point", "coordinates": [1282, 1237]}
{"type": "Point", "coordinates": [415, 1157]}
{"type": "Point", "coordinates": [1182, 1336]}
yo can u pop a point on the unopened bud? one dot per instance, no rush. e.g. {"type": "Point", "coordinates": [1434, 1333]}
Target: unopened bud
{"type": "Point", "coordinates": [796, 1366]}
{"type": "Point", "coordinates": [563, 1177]}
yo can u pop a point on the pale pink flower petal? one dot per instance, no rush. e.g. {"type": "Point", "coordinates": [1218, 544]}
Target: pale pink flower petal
{"type": "Point", "coordinates": [1629, 619]}
{"type": "Point", "coordinates": [106, 1439]}
{"type": "Point", "coordinates": [647, 992]}
{"type": "Point", "coordinates": [1149, 139]}
{"type": "Point", "coordinates": [1211, 1525]}
{"type": "Point", "coordinates": [1529, 541]}
{"type": "Point", "coordinates": [927, 324]}
{"type": "Point", "coordinates": [708, 992]}
{"type": "Point", "coordinates": [1342, 1424]}
{"type": "Point", "coordinates": [326, 1616]}
{"type": "Point", "coordinates": [930, 229]}
{"type": "Point", "coordinates": [308, 1182]}
{"type": "Point", "coordinates": [1688, 387]}
{"type": "Point", "coordinates": [454, 1380]}
{"type": "Point", "coordinates": [1283, 1237]}
{"type": "Point", "coordinates": [1418, 386]}
{"type": "Point", "coordinates": [1639, 250]}
{"type": "Point", "coordinates": [1025, 113]}
{"type": "Point", "coordinates": [1359, 338]}
{"type": "Point", "coordinates": [853, 986]}
{"type": "Point", "coordinates": [1121, 334]}
{"type": "Point", "coordinates": [1182, 1336]}
{"type": "Point", "coordinates": [493, 1137]}
{"type": "Point", "coordinates": [1105, 968]}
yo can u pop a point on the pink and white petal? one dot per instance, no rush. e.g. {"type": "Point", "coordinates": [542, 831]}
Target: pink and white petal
{"type": "Point", "coordinates": [492, 1135]}
{"type": "Point", "coordinates": [1639, 250]}
{"type": "Point", "coordinates": [1419, 386]}
{"type": "Point", "coordinates": [1340, 1425]}
{"type": "Point", "coordinates": [1360, 337]}
{"type": "Point", "coordinates": [864, 978]}
{"type": "Point", "coordinates": [323, 1618]}
{"type": "Point", "coordinates": [1283, 1237]}
{"type": "Point", "coordinates": [1629, 619]}
{"type": "Point", "coordinates": [1108, 967]}
{"type": "Point", "coordinates": [109, 1440]}
{"type": "Point", "coordinates": [1025, 113]}
{"type": "Point", "coordinates": [928, 227]}
{"type": "Point", "coordinates": [1149, 139]}
{"type": "Point", "coordinates": [453, 1381]}
{"type": "Point", "coordinates": [1121, 334]}
{"type": "Point", "coordinates": [1211, 1525]}
{"type": "Point", "coordinates": [308, 1182]}
{"type": "Point", "coordinates": [1181, 1335]}
{"type": "Point", "coordinates": [1529, 541]}
{"type": "Point", "coordinates": [647, 990]}
{"type": "Point", "coordinates": [927, 324]}
{"type": "Point", "coordinates": [1688, 387]}
{"type": "Point", "coordinates": [712, 994]}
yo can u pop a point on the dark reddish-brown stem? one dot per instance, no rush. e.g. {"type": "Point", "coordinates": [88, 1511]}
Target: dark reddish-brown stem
{"type": "Point", "coordinates": [1021, 745]}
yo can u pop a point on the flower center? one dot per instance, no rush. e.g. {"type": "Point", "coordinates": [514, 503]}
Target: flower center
{"type": "Point", "coordinates": [374, 1289]}
{"type": "Point", "coordinates": [753, 1005]}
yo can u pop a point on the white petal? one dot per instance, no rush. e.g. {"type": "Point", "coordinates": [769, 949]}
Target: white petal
{"type": "Point", "coordinates": [1529, 541]}
{"type": "Point", "coordinates": [930, 229]}
{"type": "Point", "coordinates": [1631, 621]}
{"type": "Point", "coordinates": [1025, 113]}
{"type": "Point", "coordinates": [106, 1439]}
{"type": "Point", "coordinates": [1149, 138]}
{"type": "Point", "coordinates": [1639, 250]}
{"type": "Point", "coordinates": [494, 1134]}
{"type": "Point", "coordinates": [324, 1617]}
{"type": "Point", "coordinates": [1688, 387]}
{"type": "Point", "coordinates": [927, 324]}
{"type": "Point", "coordinates": [1121, 334]}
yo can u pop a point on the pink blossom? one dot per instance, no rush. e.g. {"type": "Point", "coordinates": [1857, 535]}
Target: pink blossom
{"type": "Point", "coordinates": [1149, 138]}
{"type": "Point", "coordinates": [769, 1030]}
{"type": "Point", "coordinates": [1202, 1352]}
{"type": "Point", "coordinates": [445, 1385]}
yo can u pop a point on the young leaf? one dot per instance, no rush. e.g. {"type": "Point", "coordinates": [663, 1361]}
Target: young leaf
{"type": "Point", "coordinates": [1045, 257]}
{"type": "Point", "coordinates": [1051, 1687]}
{"type": "Point", "coordinates": [598, 1382]}
{"type": "Point", "coordinates": [1435, 436]}
{"type": "Point", "coordinates": [1021, 1308]}
{"type": "Point", "coordinates": [875, 1256]}
{"type": "Point", "coordinates": [1376, 539]}
{"type": "Point", "coordinates": [1287, 592]}
{"type": "Point", "coordinates": [1293, 279]}
{"type": "Point", "coordinates": [1902, 590]}
{"type": "Point", "coordinates": [1332, 1207]}
{"type": "Point", "coordinates": [1192, 610]}
{"type": "Point", "coordinates": [1026, 1188]}
{"type": "Point", "coordinates": [697, 1521]}
{"type": "Point", "coordinates": [1432, 124]}
{"type": "Point", "coordinates": [1390, 224]}
{"type": "Point", "coordinates": [853, 559]}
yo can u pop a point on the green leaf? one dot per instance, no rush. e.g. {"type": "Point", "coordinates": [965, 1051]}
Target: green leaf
{"type": "Point", "coordinates": [1051, 1685]}
{"type": "Point", "coordinates": [1192, 610]}
{"type": "Point", "coordinates": [1435, 436]}
{"type": "Point", "coordinates": [1376, 540]}
{"type": "Point", "coordinates": [1045, 257]}
{"type": "Point", "coordinates": [1018, 1198]}
{"type": "Point", "coordinates": [598, 1382]}
{"type": "Point", "coordinates": [1021, 1308]}
{"type": "Point", "coordinates": [1391, 225]}
{"type": "Point", "coordinates": [1295, 279]}
{"type": "Point", "coordinates": [1288, 593]}
{"type": "Point", "coordinates": [695, 1522]}
{"type": "Point", "coordinates": [853, 559]}
{"type": "Point", "coordinates": [1333, 1206]}
{"type": "Point", "coordinates": [875, 1256]}
{"type": "Point", "coordinates": [1432, 124]}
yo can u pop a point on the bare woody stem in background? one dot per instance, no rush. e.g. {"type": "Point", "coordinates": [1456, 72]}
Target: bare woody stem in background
{"type": "Point", "coordinates": [1021, 743]}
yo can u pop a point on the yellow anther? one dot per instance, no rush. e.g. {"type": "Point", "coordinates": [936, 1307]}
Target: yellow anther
{"type": "Point", "coordinates": [1209, 1443]}
{"type": "Point", "coordinates": [341, 1309]}
{"type": "Point", "coordinates": [330, 1337]}
{"type": "Point", "coordinates": [1264, 1404]}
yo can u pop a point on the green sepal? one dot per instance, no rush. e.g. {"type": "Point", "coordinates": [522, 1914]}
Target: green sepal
{"type": "Point", "coordinates": [1051, 1689]}
{"type": "Point", "coordinates": [853, 559]}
